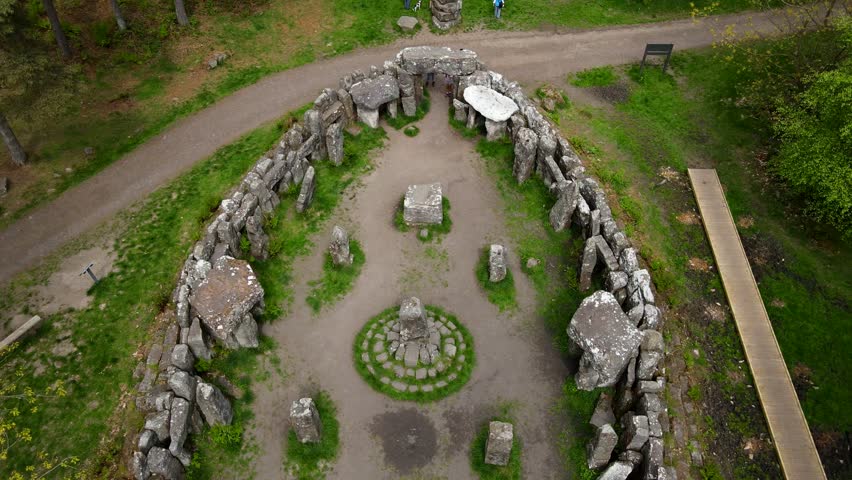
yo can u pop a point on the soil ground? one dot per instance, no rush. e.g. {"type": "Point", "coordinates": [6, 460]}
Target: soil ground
{"type": "Point", "coordinates": [532, 57]}
{"type": "Point", "coordinates": [516, 362]}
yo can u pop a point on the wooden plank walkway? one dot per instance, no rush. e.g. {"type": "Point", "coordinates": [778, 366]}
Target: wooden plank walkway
{"type": "Point", "coordinates": [787, 424]}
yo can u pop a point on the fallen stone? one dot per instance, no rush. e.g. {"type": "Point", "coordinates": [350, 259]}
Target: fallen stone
{"type": "Point", "coordinates": [183, 358]}
{"type": "Point", "coordinates": [604, 252]}
{"type": "Point", "coordinates": [226, 295]}
{"type": "Point", "coordinates": [183, 384]}
{"type": "Point", "coordinates": [634, 431]}
{"type": "Point", "coordinates": [162, 462]}
{"type": "Point", "coordinates": [215, 408]}
{"type": "Point", "coordinates": [422, 205]}
{"type": "Point", "coordinates": [599, 450]}
{"type": "Point", "coordinates": [339, 247]}
{"type": "Point", "coordinates": [498, 448]}
{"type": "Point", "coordinates": [453, 62]}
{"type": "Point", "coordinates": [618, 470]}
{"type": "Point", "coordinates": [496, 263]}
{"type": "Point", "coordinates": [606, 336]}
{"type": "Point", "coordinates": [179, 425]}
{"type": "Point", "coordinates": [603, 411]}
{"type": "Point", "coordinates": [407, 24]}
{"type": "Point", "coordinates": [563, 209]}
{"type": "Point", "coordinates": [305, 420]}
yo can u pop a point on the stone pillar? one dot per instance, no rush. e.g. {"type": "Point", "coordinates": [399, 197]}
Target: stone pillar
{"type": "Point", "coordinates": [499, 445]}
{"type": "Point", "coordinates": [412, 320]}
{"type": "Point", "coordinates": [305, 420]}
{"type": "Point", "coordinates": [496, 263]}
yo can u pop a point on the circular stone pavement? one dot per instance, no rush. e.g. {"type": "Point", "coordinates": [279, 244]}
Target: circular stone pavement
{"type": "Point", "coordinates": [426, 369]}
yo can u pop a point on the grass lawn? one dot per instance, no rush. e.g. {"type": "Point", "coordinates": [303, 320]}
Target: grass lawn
{"type": "Point", "coordinates": [134, 85]}
{"type": "Point", "coordinates": [336, 282]}
{"type": "Point", "coordinates": [157, 235]}
{"type": "Point", "coordinates": [640, 149]}
{"type": "Point", "coordinates": [510, 471]}
{"type": "Point", "coordinates": [311, 461]}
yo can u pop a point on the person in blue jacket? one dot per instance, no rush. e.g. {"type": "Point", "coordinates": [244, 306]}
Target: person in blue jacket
{"type": "Point", "coordinates": [498, 6]}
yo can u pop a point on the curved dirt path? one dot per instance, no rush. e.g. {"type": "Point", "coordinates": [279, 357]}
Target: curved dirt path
{"type": "Point", "coordinates": [515, 359]}
{"type": "Point", "coordinates": [528, 57]}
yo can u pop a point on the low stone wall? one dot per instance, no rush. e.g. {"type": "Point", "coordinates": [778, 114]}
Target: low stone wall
{"type": "Point", "coordinates": [217, 297]}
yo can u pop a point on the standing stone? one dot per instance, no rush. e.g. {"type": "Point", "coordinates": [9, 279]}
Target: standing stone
{"type": "Point", "coordinates": [494, 130]}
{"type": "Point", "coordinates": [651, 351]}
{"type": "Point", "coordinates": [526, 142]}
{"type": "Point", "coordinates": [600, 448]}
{"type": "Point", "coordinates": [306, 195]}
{"type": "Point", "coordinates": [339, 247]}
{"type": "Point", "coordinates": [496, 263]}
{"type": "Point", "coordinates": [409, 106]}
{"type": "Point", "coordinates": [652, 464]}
{"type": "Point", "coordinates": [215, 408]}
{"type": "Point", "coordinates": [305, 420]}
{"type": "Point", "coordinates": [370, 116]}
{"type": "Point", "coordinates": [334, 142]}
{"type": "Point", "coordinates": [246, 332]}
{"type": "Point", "coordinates": [412, 320]}
{"type": "Point", "coordinates": [162, 462]}
{"type": "Point", "coordinates": [422, 205]}
{"type": "Point", "coordinates": [459, 111]}
{"type": "Point", "coordinates": [563, 209]}
{"type": "Point", "coordinates": [182, 357]}
{"type": "Point", "coordinates": [197, 341]}
{"type": "Point", "coordinates": [603, 411]}
{"type": "Point", "coordinates": [159, 424]}
{"type": "Point", "coordinates": [139, 466]}
{"type": "Point", "coordinates": [451, 61]}
{"type": "Point", "coordinates": [179, 425]}
{"type": "Point", "coordinates": [490, 104]}
{"type": "Point", "coordinates": [471, 119]}
{"type": "Point", "coordinates": [619, 470]}
{"type": "Point", "coordinates": [498, 448]}
{"type": "Point", "coordinates": [587, 266]}
{"type": "Point", "coordinates": [313, 120]}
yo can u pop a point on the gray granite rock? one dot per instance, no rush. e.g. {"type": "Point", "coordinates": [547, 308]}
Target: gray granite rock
{"type": "Point", "coordinates": [651, 352]}
{"type": "Point", "coordinates": [606, 336]}
{"type": "Point", "coordinates": [246, 332]}
{"type": "Point", "coordinates": [183, 358]}
{"type": "Point", "coordinates": [183, 384]}
{"type": "Point", "coordinates": [306, 194]}
{"type": "Point", "coordinates": [406, 23]}
{"type": "Point", "coordinates": [603, 411]}
{"type": "Point", "coordinates": [587, 264]}
{"type": "Point", "coordinates": [489, 103]}
{"type": "Point", "coordinates": [422, 205]}
{"type": "Point", "coordinates": [197, 341]}
{"type": "Point", "coordinates": [460, 111]}
{"type": "Point", "coordinates": [139, 466]}
{"type": "Point", "coordinates": [179, 424]}
{"type": "Point", "coordinates": [618, 470]}
{"type": "Point", "coordinates": [159, 424]}
{"type": "Point", "coordinates": [496, 263]}
{"type": "Point", "coordinates": [375, 92]}
{"type": "Point", "coordinates": [421, 60]}
{"type": "Point", "coordinates": [339, 247]}
{"type": "Point", "coordinates": [494, 130]}
{"type": "Point", "coordinates": [215, 408]}
{"type": "Point", "coordinates": [370, 116]}
{"type": "Point", "coordinates": [305, 420]}
{"type": "Point", "coordinates": [147, 439]}
{"type": "Point", "coordinates": [334, 142]}
{"type": "Point", "coordinates": [498, 447]}
{"type": "Point", "coordinates": [599, 450]}
{"type": "Point", "coordinates": [162, 462]}
{"type": "Point", "coordinates": [566, 202]}
{"type": "Point", "coordinates": [634, 431]}
{"type": "Point", "coordinates": [526, 142]}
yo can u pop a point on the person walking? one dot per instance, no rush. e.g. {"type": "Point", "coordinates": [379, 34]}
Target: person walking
{"type": "Point", "coordinates": [407, 4]}
{"type": "Point", "coordinates": [498, 7]}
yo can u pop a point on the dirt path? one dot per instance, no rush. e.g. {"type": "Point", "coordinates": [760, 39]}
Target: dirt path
{"type": "Point", "coordinates": [515, 360]}
{"type": "Point", "coordinates": [528, 57]}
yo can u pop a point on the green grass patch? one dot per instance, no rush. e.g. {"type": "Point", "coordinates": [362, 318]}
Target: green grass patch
{"type": "Point", "coordinates": [511, 471]}
{"type": "Point", "coordinates": [411, 131]}
{"type": "Point", "coordinates": [500, 293]}
{"type": "Point", "coordinates": [336, 281]}
{"type": "Point", "coordinates": [157, 236]}
{"type": "Point", "coordinates": [594, 77]}
{"type": "Point", "coordinates": [290, 232]}
{"type": "Point", "coordinates": [402, 120]}
{"type": "Point", "coordinates": [455, 376]}
{"type": "Point", "coordinates": [311, 461]}
{"type": "Point", "coordinates": [578, 406]}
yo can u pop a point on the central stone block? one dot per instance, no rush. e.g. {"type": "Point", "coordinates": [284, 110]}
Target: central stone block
{"type": "Point", "coordinates": [412, 320]}
{"type": "Point", "coordinates": [422, 205]}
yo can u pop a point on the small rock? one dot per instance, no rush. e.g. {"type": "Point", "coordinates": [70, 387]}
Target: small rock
{"type": "Point", "coordinates": [406, 23]}
{"type": "Point", "coordinates": [532, 263]}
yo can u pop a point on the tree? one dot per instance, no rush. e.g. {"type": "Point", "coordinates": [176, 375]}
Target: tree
{"type": "Point", "coordinates": [55, 24]}
{"type": "Point", "coordinates": [19, 157]}
{"type": "Point", "coordinates": [119, 19]}
{"type": "Point", "coordinates": [180, 10]}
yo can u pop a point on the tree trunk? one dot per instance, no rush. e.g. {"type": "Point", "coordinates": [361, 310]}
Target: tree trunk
{"type": "Point", "coordinates": [181, 13]}
{"type": "Point", "coordinates": [19, 157]}
{"type": "Point", "coordinates": [122, 25]}
{"type": "Point", "coordinates": [57, 29]}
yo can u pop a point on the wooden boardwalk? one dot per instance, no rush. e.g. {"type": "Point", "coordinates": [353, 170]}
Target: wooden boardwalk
{"type": "Point", "coordinates": [787, 424]}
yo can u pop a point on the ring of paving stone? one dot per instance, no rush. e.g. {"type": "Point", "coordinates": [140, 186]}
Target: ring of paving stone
{"type": "Point", "coordinates": [424, 369]}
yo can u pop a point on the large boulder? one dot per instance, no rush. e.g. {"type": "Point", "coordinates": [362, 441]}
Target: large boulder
{"type": "Point", "coordinates": [607, 337]}
{"type": "Point", "coordinates": [421, 60]}
{"type": "Point", "coordinates": [372, 93]}
{"type": "Point", "coordinates": [162, 462]}
{"type": "Point", "coordinates": [412, 320]}
{"type": "Point", "coordinates": [498, 448]}
{"type": "Point", "coordinates": [489, 103]}
{"type": "Point", "coordinates": [224, 298]}
{"type": "Point", "coordinates": [215, 408]}
{"type": "Point", "coordinates": [305, 420]}
{"type": "Point", "coordinates": [422, 205]}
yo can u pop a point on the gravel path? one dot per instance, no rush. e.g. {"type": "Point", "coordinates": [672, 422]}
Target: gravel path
{"type": "Point", "coordinates": [528, 57]}
{"type": "Point", "coordinates": [516, 362]}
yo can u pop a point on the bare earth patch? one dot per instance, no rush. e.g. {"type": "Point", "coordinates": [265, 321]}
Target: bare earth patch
{"type": "Point", "coordinates": [699, 264]}
{"type": "Point", "coordinates": [688, 218]}
{"type": "Point", "coordinates": [66, 288]}
{"type": "Point", "coordinates": [745, 222]}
